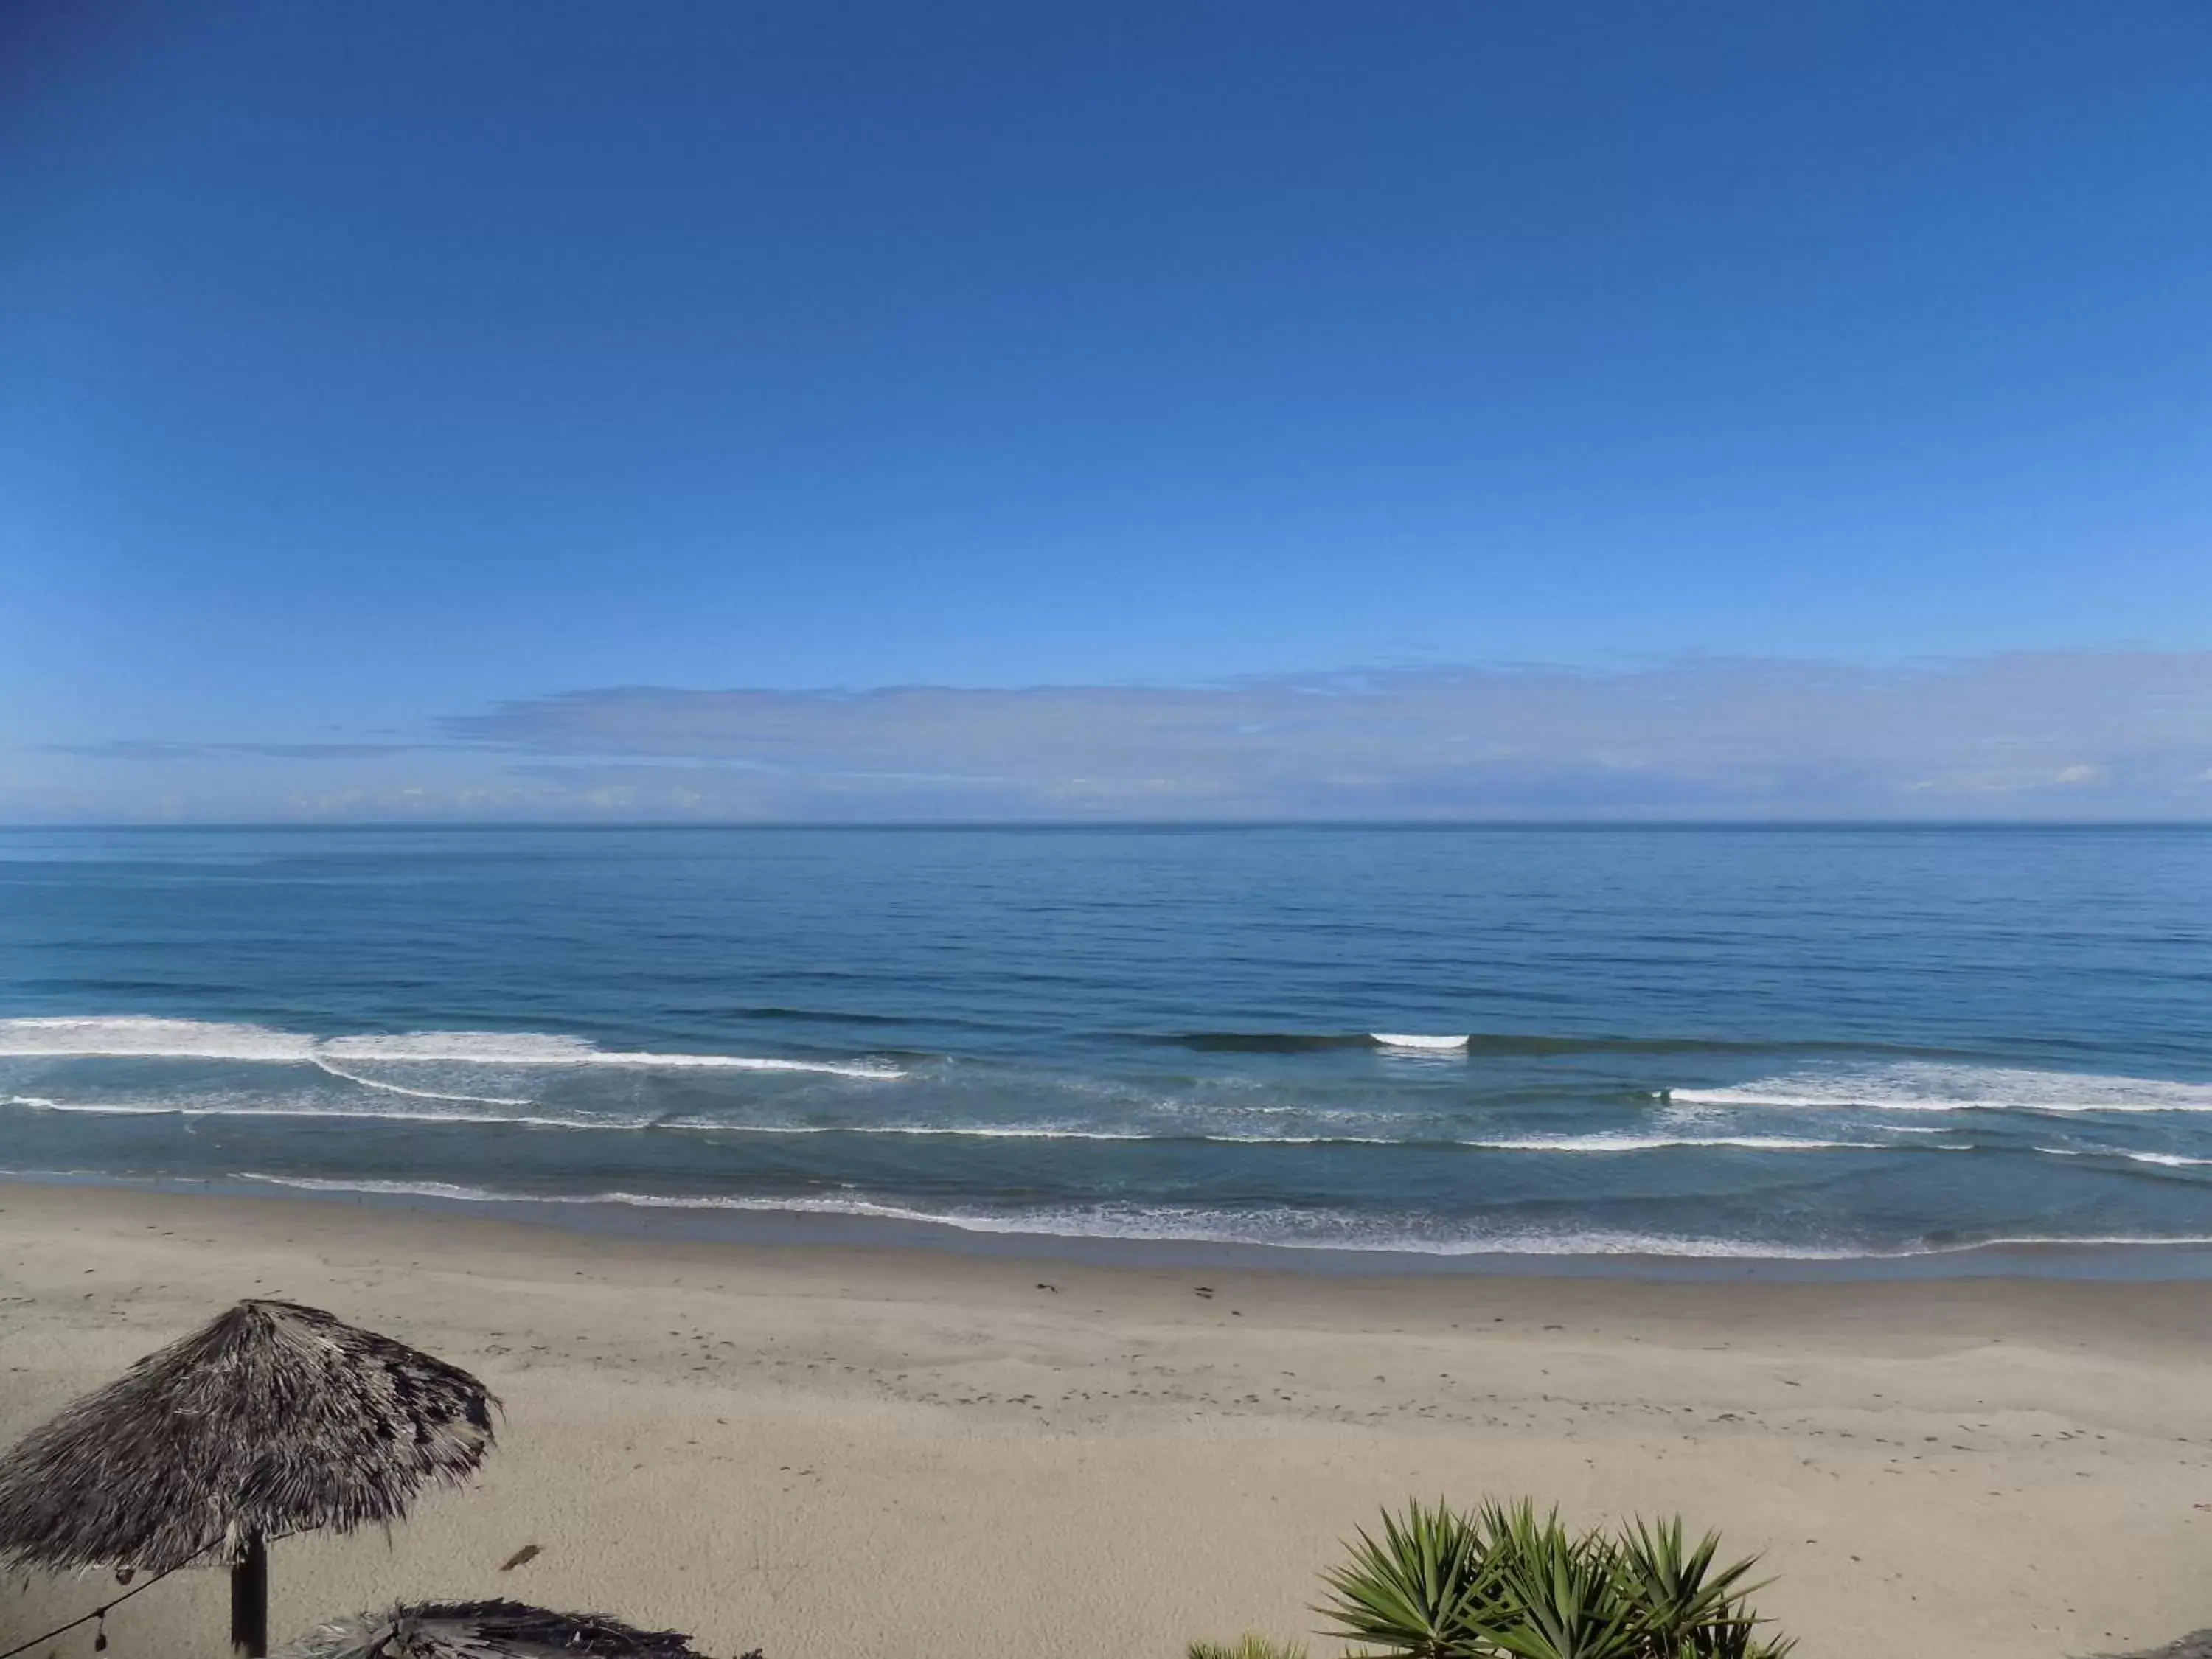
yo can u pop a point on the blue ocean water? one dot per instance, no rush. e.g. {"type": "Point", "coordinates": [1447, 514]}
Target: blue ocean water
{"type": "Point", "coordinates": [1798, 1042]}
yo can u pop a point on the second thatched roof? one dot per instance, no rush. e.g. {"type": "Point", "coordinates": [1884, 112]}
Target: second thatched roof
{"type": "Point", "coordinates": [485, 1630]}
{"type": "Point", "coordinates": [273, 1419]}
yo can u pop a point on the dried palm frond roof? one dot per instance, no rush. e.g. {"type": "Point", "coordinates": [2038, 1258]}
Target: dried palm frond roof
{"type": "Point", "coordinates": [484, 1630]}
{"type": "Point", "coordinates": [273, 1418]}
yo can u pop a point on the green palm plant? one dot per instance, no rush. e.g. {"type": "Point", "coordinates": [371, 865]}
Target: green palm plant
{"type": "Point", "coordinates": [1556, 1596]}
{"type": "Point", "coordinates": [1692, 1609]}
{"type": "Point", "coordinates": [1505, 1583]}
{"type": "Point", "coordinates": [1419, 1591]}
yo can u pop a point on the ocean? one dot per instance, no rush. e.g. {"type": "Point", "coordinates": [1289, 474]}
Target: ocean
{"type": "Point", "coordinates": [1463, 1043]}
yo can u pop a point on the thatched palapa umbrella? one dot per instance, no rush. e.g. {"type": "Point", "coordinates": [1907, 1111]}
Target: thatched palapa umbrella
{"type": "Point", "coordinates": [273, 1420]}
{"type": "Point", "coordinates": [485, 1630]}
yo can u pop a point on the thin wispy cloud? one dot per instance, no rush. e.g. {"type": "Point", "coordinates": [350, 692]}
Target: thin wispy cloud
{"type": "Point", "coordinates": [155, 750]}
{"type": "Point", "coordinates": [2033, 734]}
{"type": "Point", "coordinates": [2027, 735]}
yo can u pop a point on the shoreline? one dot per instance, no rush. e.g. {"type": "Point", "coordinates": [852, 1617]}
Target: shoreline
{"type": "Point", "coordinates": [1036, 1454]}
{"type": "Point", "coordinates": [2105, 1260]}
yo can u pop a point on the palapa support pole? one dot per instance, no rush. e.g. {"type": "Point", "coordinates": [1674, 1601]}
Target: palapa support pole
{"type": "Point", "coordinates": [249, 1600]}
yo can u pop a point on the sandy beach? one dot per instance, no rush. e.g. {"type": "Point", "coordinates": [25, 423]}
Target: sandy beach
{"type": "Point", "coordinates": [840, 1453]}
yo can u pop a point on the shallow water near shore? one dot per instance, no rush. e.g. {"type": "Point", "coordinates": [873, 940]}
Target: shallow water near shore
{"type": "Point", "coordinates": [1718, 1045]}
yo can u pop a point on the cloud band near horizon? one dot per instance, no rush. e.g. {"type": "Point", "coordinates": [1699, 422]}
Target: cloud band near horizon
{"type": "Point", "coordinates": [2074, 735]}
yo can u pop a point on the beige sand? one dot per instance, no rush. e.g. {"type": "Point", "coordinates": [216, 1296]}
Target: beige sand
{"type": "Point", "coordinates": [832, 1454]}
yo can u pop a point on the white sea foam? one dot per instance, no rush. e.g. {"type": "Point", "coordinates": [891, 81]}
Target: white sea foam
{"type": "Point", "coordinates": [1927, 1087]}
{"type": "Point", "coordinates": [1598, 1144]}
{"type": "Point", "coordinates": [534, 1048]}
{"type": "Point", "coordinates": [974, 1131]}
{"type": "Point", "coordinates": [1413, 1040]}
{"type": "Point", "coordinates": [38, 1103]}
{"type": "Point", "coordinates": [144, 1037]}
{"type": "Point", "coordinates": [418, 1094]}
{"type": "Point", "coordinates": [1590, 1143]}
{"type": "Point", "coordinates": [196, 1109]}
{"type": "Point", "coordinates": [150, 1038]}
{"type": "Point", "coordinates": [1283, 1229]}
{"type": "Point", "coordinates": [1165, 1136]}
{"type": "Point", "coordinates": [444, 1190]}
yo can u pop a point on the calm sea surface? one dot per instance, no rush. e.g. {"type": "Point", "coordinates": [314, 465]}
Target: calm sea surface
{"type": "Point", "coordinates": [1798, 1042]}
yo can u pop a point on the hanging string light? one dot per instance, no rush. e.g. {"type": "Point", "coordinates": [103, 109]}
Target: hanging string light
{"type": "Point", "coordinates": [97, 1617]}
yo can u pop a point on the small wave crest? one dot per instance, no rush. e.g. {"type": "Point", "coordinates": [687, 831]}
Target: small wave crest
{"type": "Point", "coordinates": [39, 1103]}
{"type": "Point", "coordinates": [2162, 1160]}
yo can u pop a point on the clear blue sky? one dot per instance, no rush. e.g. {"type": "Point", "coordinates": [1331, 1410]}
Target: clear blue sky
{"type": "Point", "coordinates": [365, 368]}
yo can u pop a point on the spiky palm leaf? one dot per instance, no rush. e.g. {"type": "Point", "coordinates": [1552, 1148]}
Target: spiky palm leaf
{"type": "Point", "coordinates": [1419, 1592]}
{"type": "Point", "coordinates": [1557, 1595]}
{"type": "Point", "coordinates": [1504, 1583]}
{"type": "Point", "coordinates": [1692, 1608]}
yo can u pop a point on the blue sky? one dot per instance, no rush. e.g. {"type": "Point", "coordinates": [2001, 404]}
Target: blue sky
{"type": "Point", "coordinates": [501, 409]}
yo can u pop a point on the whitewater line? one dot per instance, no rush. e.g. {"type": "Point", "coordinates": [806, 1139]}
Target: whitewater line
{"type": "Point", "coordinates": [321, 1064]}
{"type": "Point", "coordinates": [147, 1036]}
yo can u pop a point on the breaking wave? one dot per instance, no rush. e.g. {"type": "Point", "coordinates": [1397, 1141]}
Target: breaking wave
{"type": "Point", "coordinates": [1925, 1087]}
{"type": "Point", "coordinates": [136, 1037]}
